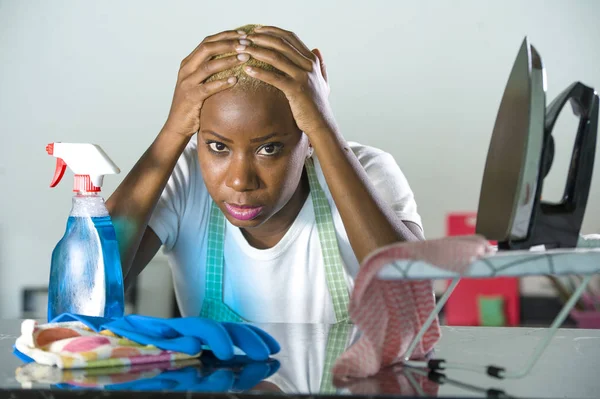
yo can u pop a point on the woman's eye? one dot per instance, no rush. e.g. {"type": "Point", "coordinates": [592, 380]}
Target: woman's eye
{"type": "Point", "coordinates": [270, 149]}
{"type": "Point", "coordinates": [217, 147]}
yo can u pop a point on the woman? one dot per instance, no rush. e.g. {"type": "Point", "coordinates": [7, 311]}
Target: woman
{"type": "Point", "coordinates": [263, 208]}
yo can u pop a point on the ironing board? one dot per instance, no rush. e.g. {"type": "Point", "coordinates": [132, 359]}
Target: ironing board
{"type": "Point", "coordinates": [583, 260]}
{"type": "Point", "coordinates": [537, 261]}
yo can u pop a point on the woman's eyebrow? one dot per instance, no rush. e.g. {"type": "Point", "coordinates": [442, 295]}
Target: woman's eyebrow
{"type": "Point", "coordinates": [267, 137]}
{"type": "Point", "coordinates": [218, 136]}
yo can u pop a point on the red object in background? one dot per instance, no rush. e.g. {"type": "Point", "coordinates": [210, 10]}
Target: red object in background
{"type": "Point", "coordinates": [460, 223]}
{"type": "Point", "coordinates": [462, 306]}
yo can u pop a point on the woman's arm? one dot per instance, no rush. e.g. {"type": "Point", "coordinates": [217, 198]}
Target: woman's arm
{"type": "Point", "coordinates": [369, 222]}
{"type": "Point", "coordinates": [133, 202]}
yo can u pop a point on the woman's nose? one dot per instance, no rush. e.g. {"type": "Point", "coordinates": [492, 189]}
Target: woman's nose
{"type": "Point", "coordinates": [241, 175]}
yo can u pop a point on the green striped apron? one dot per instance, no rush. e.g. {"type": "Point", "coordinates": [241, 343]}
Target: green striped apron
{"type": "Point", "coordinates": [215, 308]}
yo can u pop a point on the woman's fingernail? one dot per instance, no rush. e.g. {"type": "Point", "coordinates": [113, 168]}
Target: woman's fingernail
{"type": "Point", "coordinates": [231, 80]}
{"type": "Point", "coordinates": [258, 28]}
{"type": "Point", "coordinates": [240, 48]}
{"type": "Point", "coordinates": [241, 32]}
{"type": "Point", "coordinates": [245, 42]}
{"type": "Point", "coordinates": [243, 57]}
{"type": "Point", "coordinates": [249, 69]}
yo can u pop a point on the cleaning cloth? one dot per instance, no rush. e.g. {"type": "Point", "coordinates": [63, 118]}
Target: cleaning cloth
{"type": "Point", "coordinates": [76, 341]}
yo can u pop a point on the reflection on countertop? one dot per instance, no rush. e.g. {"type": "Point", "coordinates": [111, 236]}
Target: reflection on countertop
{"type": "Point", "coordinates": [568, 368]}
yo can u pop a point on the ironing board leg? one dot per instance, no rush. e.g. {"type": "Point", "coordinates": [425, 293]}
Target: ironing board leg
{"type": "Point", "coordinates": [413, 382]}
{"type": "Point", "coordinates": [431, 318]}
{"type": "Point", "coordinates": [560, 318]}
{"type": "Point", "coordinates": [440, 379]}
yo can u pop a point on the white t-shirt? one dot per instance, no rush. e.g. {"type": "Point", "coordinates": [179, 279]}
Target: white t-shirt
{"type": "Point", "coordinates": [285, 283]}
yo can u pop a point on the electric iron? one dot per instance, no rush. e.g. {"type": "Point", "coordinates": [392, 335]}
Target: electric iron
{"type": "Point", "coordinates": [520, 156]}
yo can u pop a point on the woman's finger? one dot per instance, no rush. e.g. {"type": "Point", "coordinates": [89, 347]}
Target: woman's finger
{"type": "Point", "coordinates": [276, 59]}
{"type": "Point", "coordinates": [205, 52]}
{"type": "Point", "coordinates": [226, 35]}
{"type": "Point", "coordinates": [280, 44]}
{"type": "Point", "coordinates": [275, 79]}
{"type": "Point", "coordinates": [209, 68]}
{"type": "Point", "coordinates": [289, 36]}
{"type": "Point", "coordinates": [317, 52]}
{"type": "Point", "coordinates": [206, 90]}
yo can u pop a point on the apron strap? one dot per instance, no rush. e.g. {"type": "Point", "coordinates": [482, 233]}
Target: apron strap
{"type": "Point", "coordinates": [215, 257]}
{"type": "Point", "coordinates": [334, 266]}
{"type": "Point", "coordinates": [213, 306]}
{"type": "Point", "coordinates": [337, 341]}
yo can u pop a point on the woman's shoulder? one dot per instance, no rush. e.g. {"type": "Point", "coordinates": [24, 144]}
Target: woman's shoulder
{"type": "Point", "coordinates": [370, 156]}
{"type": "Point", "coordinates": [185, 181]}
{"type": "Point", "coordinates": [363, 148]}
{"type": "Point", "coordinates": [187, 164]}
{"type": "Point", "coordinates": [191, 149]}
{"type": "Point", "coordinates": [379, 165]}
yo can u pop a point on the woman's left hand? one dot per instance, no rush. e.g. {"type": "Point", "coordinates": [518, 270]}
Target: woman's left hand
{"type": "Point", "coordinates": [305, 85]}
{"type": "Point", "coordinates": [369, 222]}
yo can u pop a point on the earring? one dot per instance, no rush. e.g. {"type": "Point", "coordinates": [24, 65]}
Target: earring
{"type": "Point", "coordinates": [310, 152]}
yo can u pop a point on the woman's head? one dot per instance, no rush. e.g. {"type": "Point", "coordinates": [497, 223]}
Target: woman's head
{"type": "Point", "coordinates": [244, 81]}
{"type": "Point", "coordinates": [251, 151]}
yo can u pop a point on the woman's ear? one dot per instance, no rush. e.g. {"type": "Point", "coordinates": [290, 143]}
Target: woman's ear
{"type": "Point", "coordinates": [317, 52]}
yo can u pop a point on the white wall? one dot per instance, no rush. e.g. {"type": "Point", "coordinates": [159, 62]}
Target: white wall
{"type": "Point", "coordinates": [420, 79]}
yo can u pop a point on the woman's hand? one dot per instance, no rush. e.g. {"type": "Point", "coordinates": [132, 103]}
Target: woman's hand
{"type": "Point", "coordinates": [190, 91]}
{"type": "Point", "coordinates": [305, 85]}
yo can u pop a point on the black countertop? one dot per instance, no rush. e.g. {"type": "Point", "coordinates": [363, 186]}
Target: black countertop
{"type": "Point", "coordinates": [568, 368]}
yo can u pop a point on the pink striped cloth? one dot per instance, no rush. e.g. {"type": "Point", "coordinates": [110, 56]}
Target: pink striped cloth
{"type": "Point", "coordinates": [390, 313]}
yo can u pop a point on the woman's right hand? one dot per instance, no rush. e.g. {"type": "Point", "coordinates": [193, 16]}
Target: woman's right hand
{"type": "Point", "coordinates": [190, 91]}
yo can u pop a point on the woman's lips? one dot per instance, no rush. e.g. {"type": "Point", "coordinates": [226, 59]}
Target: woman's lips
{"type": "Point", "coordinates": [243, 212]}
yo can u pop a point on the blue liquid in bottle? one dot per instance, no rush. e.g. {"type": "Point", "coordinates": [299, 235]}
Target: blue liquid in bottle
{"type": "Point", "coordinates": [86, 276]}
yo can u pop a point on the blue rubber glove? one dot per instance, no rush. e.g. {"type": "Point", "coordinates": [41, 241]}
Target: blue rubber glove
{"type": "Point", "coordinates": [251, 372]}
{"type": "Point", "coordinates": [187, 335]}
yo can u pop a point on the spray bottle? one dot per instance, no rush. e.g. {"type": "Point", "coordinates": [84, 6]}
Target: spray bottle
{"type": "Point", "coordinates": [85, 274]}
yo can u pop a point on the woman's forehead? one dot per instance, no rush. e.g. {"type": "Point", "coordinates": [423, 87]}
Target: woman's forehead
{"type": "Point", "coordinates": [235, 112]}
